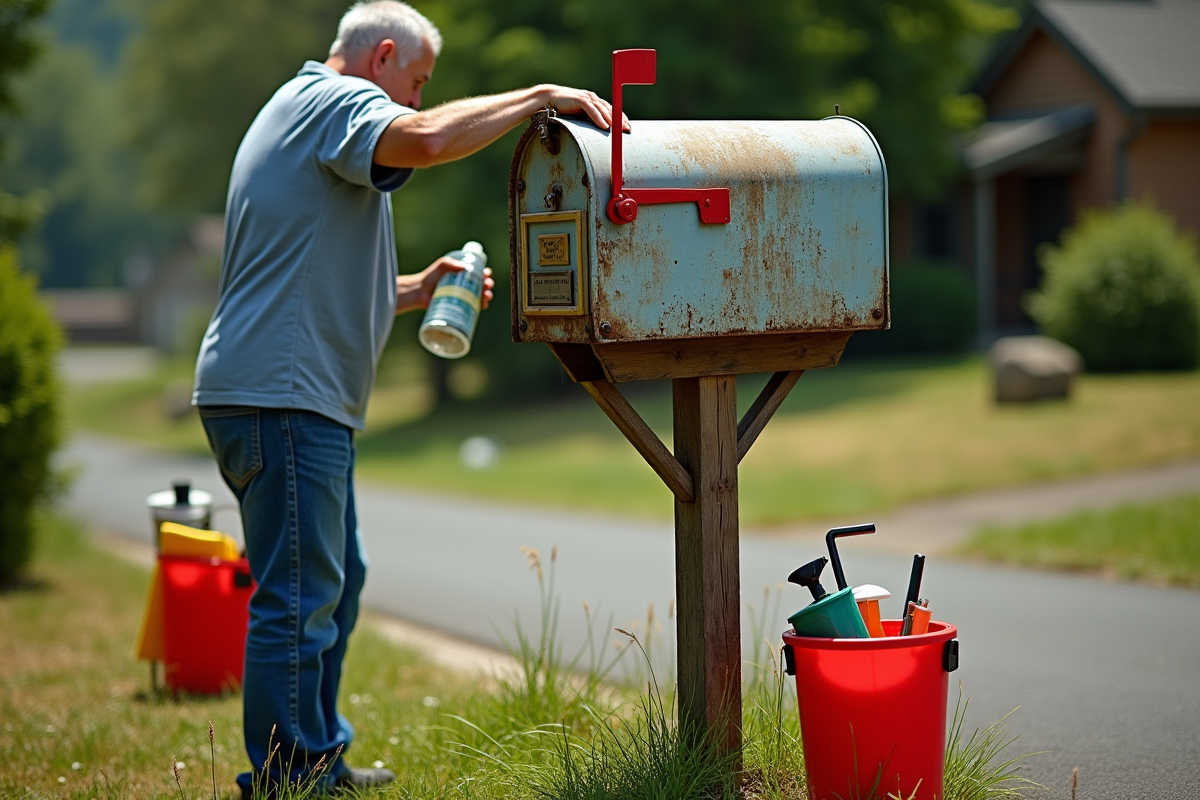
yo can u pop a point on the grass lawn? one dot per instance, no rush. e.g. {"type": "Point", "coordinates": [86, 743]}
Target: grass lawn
{"type": "Point", "coordinates": [79, 721]}
{"type": "Point", "coordinates": [859, 438]}
{"type": "Point", "coordinates": [1158, 542]}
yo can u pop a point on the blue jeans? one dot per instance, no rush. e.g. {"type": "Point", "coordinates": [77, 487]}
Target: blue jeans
{"type": "Point", "coordinates": [293, 474]}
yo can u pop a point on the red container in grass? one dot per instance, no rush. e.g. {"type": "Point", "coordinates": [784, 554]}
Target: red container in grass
{"type": "Point", "coordinates": [205, 614]}
{"type": "Point", "coordinates": [873, 711]}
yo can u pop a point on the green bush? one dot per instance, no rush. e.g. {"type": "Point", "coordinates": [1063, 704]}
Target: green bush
{"type": "Point", "coordinates": [1123, 290]}
{"type": "Point", "coordinates": [29, 414]}
{"type": "Point", "coordinates": [933, 311]}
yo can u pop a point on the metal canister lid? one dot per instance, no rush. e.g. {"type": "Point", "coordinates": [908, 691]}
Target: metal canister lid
{"type": "Point", "coordinates": [197, 498]}
{"type": "Point", "coordinates": [181, 504]}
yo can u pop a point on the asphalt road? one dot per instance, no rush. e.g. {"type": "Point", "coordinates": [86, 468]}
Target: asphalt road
{"type": "Point", "coordinates": [1106, 674]}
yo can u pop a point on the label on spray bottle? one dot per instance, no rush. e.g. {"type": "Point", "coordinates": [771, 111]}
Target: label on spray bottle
{"type": "Point", "coordinates": [450, 319]}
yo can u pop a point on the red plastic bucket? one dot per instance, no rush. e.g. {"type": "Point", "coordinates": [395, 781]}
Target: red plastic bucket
{"type": "Point", "coordinates": [205, 614]}
{"type": "Point", "coordinates": [873, 711]}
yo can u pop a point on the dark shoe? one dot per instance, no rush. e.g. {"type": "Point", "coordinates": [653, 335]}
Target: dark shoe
{"type": "Point", "coordinates": [352, 780]}
{"type": "Point", "coordinates": [355, 778]}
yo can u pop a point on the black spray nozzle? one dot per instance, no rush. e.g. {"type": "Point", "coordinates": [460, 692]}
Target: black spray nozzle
{"type": "Point", "coordinates": [183, 490]}
{"type": "Point", "coordinates": [831, 543]}
{"type": "Point", "coordinates": [809, 576]}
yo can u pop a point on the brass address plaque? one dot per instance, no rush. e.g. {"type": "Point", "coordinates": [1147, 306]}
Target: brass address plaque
{"type": "Point", "coordinates": [553, 240]}
{"type": "Point", "coordinates": [552, 250]}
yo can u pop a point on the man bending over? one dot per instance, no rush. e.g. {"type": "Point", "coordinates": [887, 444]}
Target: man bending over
{"type": "Point", "coordinates": [308, 291]}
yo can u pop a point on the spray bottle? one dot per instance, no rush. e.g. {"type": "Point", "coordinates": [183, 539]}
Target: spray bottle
{"type": "Point", "coordinates": [828, 615]}
{"type": "Point", "coordinates": [450, 319]}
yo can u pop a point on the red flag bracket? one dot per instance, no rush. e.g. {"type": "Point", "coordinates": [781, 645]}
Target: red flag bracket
{"type": "Point", "coordinates": [638, 68]}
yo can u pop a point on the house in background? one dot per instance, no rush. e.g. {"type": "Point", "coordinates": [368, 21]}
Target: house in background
{"type": "Point", "coordinates": [94, 316]}
{"type": "Point", "coordinates": [1089, 103]}
{"type": "Point", "coordinates": [166, 302]}
{"type": "Point", "coordinates": [176, 296]}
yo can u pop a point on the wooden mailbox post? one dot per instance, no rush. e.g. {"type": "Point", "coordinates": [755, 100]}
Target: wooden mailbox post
{"type": "Point", "coordinates": [695, 252]}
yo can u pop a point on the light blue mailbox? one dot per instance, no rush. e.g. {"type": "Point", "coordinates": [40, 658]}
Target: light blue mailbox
{"type": "Point", "coordinates": [698, 251]}
{"type": "Point", "coordinates": [804, 249]}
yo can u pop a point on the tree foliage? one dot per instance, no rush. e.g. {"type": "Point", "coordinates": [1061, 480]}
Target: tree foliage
{"type": "Point", "coordinates": [203, 68]}
{"type": "Point", "coordinates": [19, 43]}
{"type": "Point", "coordinates": [67, 151]}
{"type": "Point", "coordinates": [78, 221]}
{"type": "Point", "coordinates": [196, 77]}
{"type": "Point", "coordinates": [19, 46]}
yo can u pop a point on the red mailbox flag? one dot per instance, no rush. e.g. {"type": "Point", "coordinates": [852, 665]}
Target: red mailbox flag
{"type": "Point", "coordinates": [633, 67]}
{"type": "Point", "coordinates": [639, 68]}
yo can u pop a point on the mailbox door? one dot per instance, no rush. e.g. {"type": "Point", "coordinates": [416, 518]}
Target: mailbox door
{"type": "Point", "coordinates": [551, 246]}
{"type": "Point", "coordinates": [806, 249]}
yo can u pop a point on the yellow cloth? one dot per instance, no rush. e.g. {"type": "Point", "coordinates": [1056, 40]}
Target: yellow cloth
{"type": "Point", "coordinates": [176, 540]}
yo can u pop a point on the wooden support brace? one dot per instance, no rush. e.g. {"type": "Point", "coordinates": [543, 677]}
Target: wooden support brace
{"type": "Point", "coordinates": [644, 440]}
{"type": "Point", "coordinates": [765, 406]}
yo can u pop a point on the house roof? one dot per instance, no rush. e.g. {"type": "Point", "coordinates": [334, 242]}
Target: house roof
{"type": "Point", "coordinates": [1145, 51]}
{"type": "Point", "coordinates": [1002, 146]}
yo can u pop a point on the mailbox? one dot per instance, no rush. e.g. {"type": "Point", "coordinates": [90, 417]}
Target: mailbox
{"type": "Point", "coordinates": [797, 245]}
{"type": "Point", "coordinates": [697, 251]}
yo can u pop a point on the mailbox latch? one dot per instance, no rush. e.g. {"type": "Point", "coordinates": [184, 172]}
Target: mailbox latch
{"type": "Point", "coordinates": [638, 68]}
{"type": "Point", "coordinates": [546, 132]}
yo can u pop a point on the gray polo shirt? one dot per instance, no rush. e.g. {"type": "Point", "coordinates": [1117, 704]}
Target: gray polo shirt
{"type": "Point", "coordinates": [308, 275]}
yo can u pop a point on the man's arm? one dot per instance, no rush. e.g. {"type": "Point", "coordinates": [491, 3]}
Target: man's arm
{"type": "Point", "coordinates": [458, 129]}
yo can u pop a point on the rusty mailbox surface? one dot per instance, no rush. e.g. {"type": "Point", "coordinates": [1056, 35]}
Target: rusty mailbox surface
{"type": "Point", "coordinates": [804, 249]}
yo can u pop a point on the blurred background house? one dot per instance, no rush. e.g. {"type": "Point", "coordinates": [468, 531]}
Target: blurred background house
{"type": "Point", "coordinates": [1089, 102]}
{"type": "Point", "coordinates": [166, 302]}
{"type": "Point", "coordinates": [94, 315]}
{"type": "Point", "coordinates": [175, 297]}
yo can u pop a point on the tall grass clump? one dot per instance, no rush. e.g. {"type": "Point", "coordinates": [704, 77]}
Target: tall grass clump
{"type": "Point", "coordinates": [547, 686]}
{"type": "Point", "coordinates": [772, 749]}
{"type": "Point", "coordinates": [1124, 290]}
{"type": "Point", "coordinates": [29, 412]}
{"type": "Point", "coordinates": [312, 782]}
{"type": "Point", "coordinates": [976, 769]}
{"type": "Point", "coordinates": [502, 741]}
{"type": "Point", "coordinates": [643, 755]}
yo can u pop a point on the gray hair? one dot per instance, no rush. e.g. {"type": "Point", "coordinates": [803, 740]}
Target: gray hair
{"type": "Point", "coordinates": [369, 22]}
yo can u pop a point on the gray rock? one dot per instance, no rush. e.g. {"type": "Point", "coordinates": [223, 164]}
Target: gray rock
{"type": "Point", "coordinates": [1029, 368]}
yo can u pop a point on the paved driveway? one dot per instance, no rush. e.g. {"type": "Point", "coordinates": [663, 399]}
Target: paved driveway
{"type": "Point", "coordinates": [1106, 674]}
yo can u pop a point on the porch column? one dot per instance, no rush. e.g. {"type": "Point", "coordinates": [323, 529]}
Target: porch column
{"type": "Point", "coordinates": [985, 258]}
